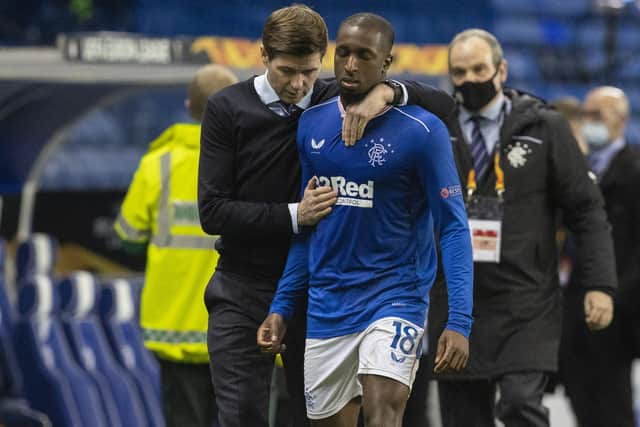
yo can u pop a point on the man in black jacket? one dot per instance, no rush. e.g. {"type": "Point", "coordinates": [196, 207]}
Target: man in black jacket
{"type": "Point", "coordinates": [521, 166]}
{"type": "Point", "coordinates": [603, 397]}
{"type": "Point", "coordinates": [249, 181]}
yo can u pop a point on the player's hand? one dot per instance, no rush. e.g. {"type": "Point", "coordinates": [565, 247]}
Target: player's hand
{"type": "Point", "coordinates": [316, 203]}
{"type": "Point", "coordinates": [358, 115]}
{"type": "Point", "coordinates": [452, 352]}
{"type": "Point", "coordinates": [598, 310]}
{"type": "Point", "coordinates": [271, 333]}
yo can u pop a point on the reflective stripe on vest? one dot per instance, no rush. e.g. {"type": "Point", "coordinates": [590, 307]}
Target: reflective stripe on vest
{"type": "Point", "coordinates": [164, 238]}
{"type": "Point", "coordinates": [175, 337]}
{"type": "Point", "coordinates": [130, 232]}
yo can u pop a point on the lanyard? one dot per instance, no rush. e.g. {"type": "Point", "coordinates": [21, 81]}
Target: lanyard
{"type": "Point", "coordinates": [472, 185]}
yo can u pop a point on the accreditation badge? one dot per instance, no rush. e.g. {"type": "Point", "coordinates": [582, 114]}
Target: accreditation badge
{"type": "Point", "coordinates": [485, 225]}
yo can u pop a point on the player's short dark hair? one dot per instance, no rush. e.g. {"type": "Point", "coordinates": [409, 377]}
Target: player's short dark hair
{"type": "Point", "coordinates": [373, 22]}
{"type": "Point", "coordinates": [295, 30]}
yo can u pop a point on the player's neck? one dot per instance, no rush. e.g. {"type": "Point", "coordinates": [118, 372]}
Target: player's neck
{"type": "Point", "coordinates": [351, 98]}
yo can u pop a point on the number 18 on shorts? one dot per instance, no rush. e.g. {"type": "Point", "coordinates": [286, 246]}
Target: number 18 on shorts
{"type": "Point", "coordinates": [390, 347]}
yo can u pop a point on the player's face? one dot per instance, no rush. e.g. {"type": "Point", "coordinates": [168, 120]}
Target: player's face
{"type": "Point", "coordinates": [471, 60]}
{"type": "Point", "coordinates": [292, 77]}
{"type": "Point", "coordinates": [360, 59]}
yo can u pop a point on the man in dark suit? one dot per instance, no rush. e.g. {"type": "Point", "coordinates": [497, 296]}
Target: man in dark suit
{"type": "Point", "coordinates": [521, 167]}
{"type": "Point", "coordinates": [602, 397]}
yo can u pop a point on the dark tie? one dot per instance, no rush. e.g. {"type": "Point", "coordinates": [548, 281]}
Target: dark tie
{"type": "Point", "coordinates": [479, 149]}
{"type": "Point", "coordinates": [283, 109]}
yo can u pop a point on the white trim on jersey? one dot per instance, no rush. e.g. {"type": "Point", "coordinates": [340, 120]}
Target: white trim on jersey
{"type": "Point", "coordinates": [414, 118]}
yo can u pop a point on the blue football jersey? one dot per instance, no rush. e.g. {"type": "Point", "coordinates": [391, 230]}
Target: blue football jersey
{"type": "Point", "coordinates": [375, 254]}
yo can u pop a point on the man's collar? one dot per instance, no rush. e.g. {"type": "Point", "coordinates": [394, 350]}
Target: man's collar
{"type": "Point", "coordinates": [492, 113]}
{"type": "Point", "coordinates": [268, 95]}
{"type": "Point", "coordinates": [609, 149]}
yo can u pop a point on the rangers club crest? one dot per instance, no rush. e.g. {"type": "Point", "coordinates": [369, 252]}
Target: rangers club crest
{"type": "Point", "coordinates": [517, 154]}
{"type": "Point", "coordinates": [378, 152]}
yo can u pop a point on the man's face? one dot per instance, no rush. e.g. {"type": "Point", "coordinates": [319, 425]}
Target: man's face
{"type": "Point", "coordinates": [601, 108]}
{"type": "Point", "coordinates": [470, 60]}
{"type": "Point", "coordinates": [292, 77]}
{"type": "Point", "coordinates": [361, 59]}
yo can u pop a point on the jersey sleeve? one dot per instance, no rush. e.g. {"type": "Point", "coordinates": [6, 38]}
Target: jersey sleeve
{"type": "Point", "coordinates": [295, 279]}
{"type": "Point", "coordinates": [439, 178]}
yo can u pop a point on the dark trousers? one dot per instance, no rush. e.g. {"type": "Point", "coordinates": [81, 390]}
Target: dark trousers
{"type": "Point", "coordinates": [187, 396]}
{"type": "Point", "coordinates": [471, 403]}
{"type": "Point", "coordinates": [595, 367]}
{"type": "Point", "coordinates": [241, 373]}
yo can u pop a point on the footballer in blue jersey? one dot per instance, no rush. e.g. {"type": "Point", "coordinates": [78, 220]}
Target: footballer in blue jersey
{"type": "Point", "coordinates": [369, 265]}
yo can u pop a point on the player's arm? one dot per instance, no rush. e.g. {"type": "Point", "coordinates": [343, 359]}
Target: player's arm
{"type": "Point", "coordinates": [293, 283]}
{"type": "Point", "coordinates": [289, 296]}
{"type": "Point", "coordinates": [440, 181]}
{"type": "Point", "coordinates": [398, 93]}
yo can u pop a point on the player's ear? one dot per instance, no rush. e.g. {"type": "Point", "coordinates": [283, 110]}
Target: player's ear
{"type": "Point", "coordinates": [264, 56]}
{"type": "Point", "coordinates": [387, 63]}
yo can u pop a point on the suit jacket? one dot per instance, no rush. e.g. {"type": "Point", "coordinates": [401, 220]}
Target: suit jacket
{"type": "Point", "coordinates": [517, 303]}
{"type": "Point", "coordinates": [620, 187]}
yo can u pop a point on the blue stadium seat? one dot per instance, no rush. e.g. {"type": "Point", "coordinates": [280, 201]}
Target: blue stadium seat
{"type": "Point", "coordinates": [10, 378]}
{"type": "Point", "coordinates": [520, 30]}
{"type": "Point", "coordinates": [565, 8]}
{"type": "Point", "coordinates": [78, 294]}
{"type": "Point", "coordinates": [629, 69]}
{"type": "Point", "coordinates": [633, 93]}
{"type": "Point", "coordinates": [590, 35]}
{"type": "Point", "coordinates": [629, 38]}
{"type": "Point", "coordinates": [13, 409]}
{"type": "Point", "coordinates": [522, 64]}
{"type": "Point", "coordinates": [53, 382]}
{"type": "Point", "coordinates": [3, 256]}
{"type": "Point", "coordinates": [594, 62]}
{"type": "Point", "coordinates": [118, 318]}
{"type": "Point", "coordinates": [633, 131]}
{"type": "Point", "coordinates": [510, 7]}
{"type": "Point", "coordinates": [36, 256]}
{"type": "Point", "coordinates": [120, 299]}
{"type": "Point", "coordinates": [537, 32]}
{"type": "Point", "coordinates": [557, 32]}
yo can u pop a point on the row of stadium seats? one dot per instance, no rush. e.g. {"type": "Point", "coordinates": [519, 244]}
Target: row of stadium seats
{"type": "Point", "coordinates": [76, 346]}
{"type": "Point", "coordinates": [565, 8]}
{"type": "Point", "coordinates": [533, 31]}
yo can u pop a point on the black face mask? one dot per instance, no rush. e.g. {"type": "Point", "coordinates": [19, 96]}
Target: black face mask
{"type": "Point", "coordinates": [475, 95]}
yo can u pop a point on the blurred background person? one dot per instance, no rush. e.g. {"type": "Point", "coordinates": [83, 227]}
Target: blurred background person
{"type": "Point", "coordinates": [160, 212]}
{"type": "Point", "coordinates": [595, 366]}
{"type": "Point", "coordinates": [521, 167]}
{"type": "Point", "coordinates": [571, 108]}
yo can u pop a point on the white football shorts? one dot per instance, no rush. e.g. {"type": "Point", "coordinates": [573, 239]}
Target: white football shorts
{"type": "Point", "coordinates": [389, 347]}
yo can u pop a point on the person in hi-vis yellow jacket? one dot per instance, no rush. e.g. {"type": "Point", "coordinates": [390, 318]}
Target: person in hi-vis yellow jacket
{"type": "Point", "coordinates": [160, 210]}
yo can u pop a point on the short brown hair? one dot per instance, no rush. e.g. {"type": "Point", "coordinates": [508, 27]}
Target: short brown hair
{"type": "Point", "coordinates": [294, 30]}
{"type": "Point", "coordinates": [207, 81]}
